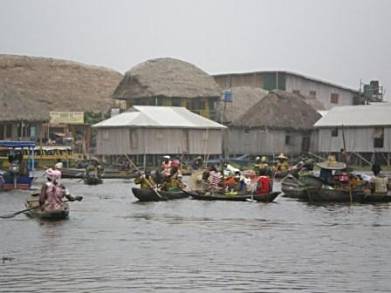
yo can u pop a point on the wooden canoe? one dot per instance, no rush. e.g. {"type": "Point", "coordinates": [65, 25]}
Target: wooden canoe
{"type": "Point", "coordinates": [51, 215]}
{"type": "Point", "coordinates": [151, 195]}
{"type": "Point", "coordinates": [299, 187]}
{"type": "Point", "coordinates": [92, 180]}
{"type": "Point", "coordinates": [268, 197]}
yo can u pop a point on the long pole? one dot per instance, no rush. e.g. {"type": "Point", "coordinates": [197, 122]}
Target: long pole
{"type": "Point", "coordinates": [346, 161]}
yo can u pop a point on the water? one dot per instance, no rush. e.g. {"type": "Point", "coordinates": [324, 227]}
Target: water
{"type": "Point", "coordinates": [112, 243]}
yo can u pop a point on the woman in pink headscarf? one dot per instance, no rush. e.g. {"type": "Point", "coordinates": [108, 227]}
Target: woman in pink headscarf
{"type": "Point", "coordinates": [53, 193]}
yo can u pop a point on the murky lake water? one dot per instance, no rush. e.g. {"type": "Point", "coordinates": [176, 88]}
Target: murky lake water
{"type": "Point", "coordinates": [111, 243]}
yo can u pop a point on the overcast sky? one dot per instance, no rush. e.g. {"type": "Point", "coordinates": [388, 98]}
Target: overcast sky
{"type": "Point", "coordinates": [341, 41]}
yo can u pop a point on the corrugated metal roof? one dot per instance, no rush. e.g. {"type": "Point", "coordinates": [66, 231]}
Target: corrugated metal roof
{"type": "Point", "coordinates": [159, 117]}
{"type": "Point", "coordinates": [317, 80]}
{"type": "Point", "coordinates": [368, 115]}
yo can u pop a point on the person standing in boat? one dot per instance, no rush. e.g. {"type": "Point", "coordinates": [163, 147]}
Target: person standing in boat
{"type": "Point", "coordinates": [166, 166]}
{"type": "Point", "coordinates": [379, 183]}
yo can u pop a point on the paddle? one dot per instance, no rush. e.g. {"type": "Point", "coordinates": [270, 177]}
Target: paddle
{"type": "Point", "coordinates": [146, 180]}
{"type": "Point", "coordinates": [78, 198]}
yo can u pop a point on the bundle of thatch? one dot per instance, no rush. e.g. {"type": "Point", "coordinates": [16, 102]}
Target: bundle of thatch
{"type": "Point", "coordinates": [279, 110]}
{"type": "Point", "coordinates": [243, 98]}
{"type": "Point", "coordinates": [32, 84]}
{"type": "Point", "coordinates": [166, 77]}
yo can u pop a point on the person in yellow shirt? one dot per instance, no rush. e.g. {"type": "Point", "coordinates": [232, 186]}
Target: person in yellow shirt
{"type": "Point", "coordinates": [145, 180]}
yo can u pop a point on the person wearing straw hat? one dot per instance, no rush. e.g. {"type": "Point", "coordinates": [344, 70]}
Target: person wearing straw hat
{"type": "Point", "coordinates": [282, 163]}
{"type": "Point", "coordinates": [329, 166]}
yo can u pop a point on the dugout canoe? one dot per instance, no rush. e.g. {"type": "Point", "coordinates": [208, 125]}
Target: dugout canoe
{"type": "Point", "coordinates": [151, 195]}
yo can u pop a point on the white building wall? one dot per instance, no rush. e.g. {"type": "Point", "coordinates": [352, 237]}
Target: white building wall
{"type": "Point", "coordinates": [137, 141]}
{"type": "Point", "coordinates": [323, 91]}
{"type": "Point", "coordinates": [262, 142]}
{"type": "Point", "coordinates": [356, 139]}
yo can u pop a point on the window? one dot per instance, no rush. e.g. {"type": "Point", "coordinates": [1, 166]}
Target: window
{"type": "Point", "coordinates": [378, 138]}
{"type": "Point", "coordinates": [288, 139]}
{"type": "Point", "coordinates": [334, 98]}
{"type": "Point", "coordinates": [334, 132]}
{"type": "Point", "coordinates": [313, 94]}
{"type": "Point", "coordinates": [297, 92]}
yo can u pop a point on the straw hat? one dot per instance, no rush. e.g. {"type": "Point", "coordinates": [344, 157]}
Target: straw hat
{"type": "Point", "coordinates": [332, 164]}
{"type": "Point", "coordinates": [282, 156]}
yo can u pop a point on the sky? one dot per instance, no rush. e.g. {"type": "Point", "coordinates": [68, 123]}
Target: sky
{"type": "Point", "coordinates": [341, 41]}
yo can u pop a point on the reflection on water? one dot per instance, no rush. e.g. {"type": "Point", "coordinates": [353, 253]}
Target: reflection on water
{"type": "Point", "coordinates": [111, 243]}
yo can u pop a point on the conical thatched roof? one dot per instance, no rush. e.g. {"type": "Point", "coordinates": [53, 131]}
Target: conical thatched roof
{"type": "Point", "coordinates": [280, 110]}
{"type": "Point", "coordinates": [60, 85]}
{"type": "Point", "coordinates": [166, 77]}
{"type": "Point", "coordinates": [243, 98]}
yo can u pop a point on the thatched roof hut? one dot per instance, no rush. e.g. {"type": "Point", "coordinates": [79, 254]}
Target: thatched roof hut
{"type": "Point", "coordinates": [279, 110]}
{"type": "Point", "coordinates": [166, 77]}
{"type": "Point", "coordinates": [243, 98]}
{"type": "Point", "coordinates": [32, 86]}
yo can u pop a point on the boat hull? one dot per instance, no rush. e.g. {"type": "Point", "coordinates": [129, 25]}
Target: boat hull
{"type": "Point", "coordinates": [300, 188]}
{"type": "Point", "coordinates": [93, 180]}
{"type": "Point", "coordinates": [52, 215]}
{"type": "Point", "coordinates": [21, 182]}
{"type": "Point", "coordinates": [150, 195]}
{"type": "Point", "coordinates": [267, 197]}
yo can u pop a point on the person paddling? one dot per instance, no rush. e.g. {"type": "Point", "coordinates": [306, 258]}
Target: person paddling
{"type": "Point", "coordinates": [52, 192]}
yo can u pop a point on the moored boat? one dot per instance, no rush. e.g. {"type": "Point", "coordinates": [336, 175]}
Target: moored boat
{"type": "Point", "coordinates": [72, 172]}
{"type": "Point", "coordinates": [20, 170]}
{"type": "Point", "coordinates": [299, 187]}
{"type": "Point", "coordinates": [59, 213]}
{"type": "Point", "coordinates": [328, 193]}
{"type": "Point", "coordinates": [152, 195]}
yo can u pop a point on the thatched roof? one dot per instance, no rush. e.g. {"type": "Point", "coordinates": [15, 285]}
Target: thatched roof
{"type": "Point", "coordinates": [243, 98]}
{"type": "Point", "coordinates": [60, 85]}
{"type": "Point", "coordinates": [18, 108]}
{"type": "Point", "coordinates": [314, 103]}
{"type": "Point", "coordinates": [279, 110]}
{"type": "Point", "coordinates": [166, 77]}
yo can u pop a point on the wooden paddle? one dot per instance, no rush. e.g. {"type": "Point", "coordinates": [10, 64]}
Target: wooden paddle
{"type": "Point", "coordinates": [78, 198]}
{"type": "Point", "coordinates": [146, 180]}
